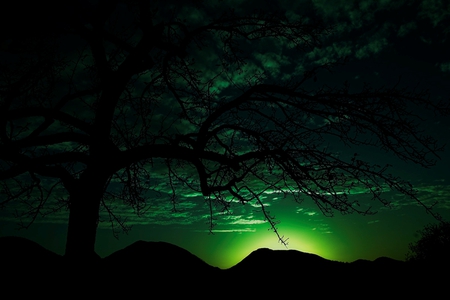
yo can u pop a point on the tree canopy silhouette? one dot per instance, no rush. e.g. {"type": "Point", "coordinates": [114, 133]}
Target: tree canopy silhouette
{"type": "Point", "coordinates": [111, 92]}
{"type": "Point", "coordinates": [433, 245]}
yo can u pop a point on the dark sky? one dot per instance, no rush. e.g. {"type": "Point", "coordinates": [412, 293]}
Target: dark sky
{"type": "Point", "coordinates": [386, 42]}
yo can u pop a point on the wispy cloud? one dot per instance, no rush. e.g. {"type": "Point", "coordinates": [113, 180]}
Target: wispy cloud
{"type": "Point", "coordinates": [428, 194]}
{"type": "Point", "coordinates": [323, 228]}
{"type": "Point", "coordinates": [234, 230]}
{"type": "Point", "coordinates": [307, 212]}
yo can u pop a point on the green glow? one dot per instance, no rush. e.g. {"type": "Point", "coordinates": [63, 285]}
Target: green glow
{"type": "Point", "coordinates": [227, 249]}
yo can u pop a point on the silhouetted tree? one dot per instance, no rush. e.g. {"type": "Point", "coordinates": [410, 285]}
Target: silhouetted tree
{"type": "Point", "coordinates": [117, 90]}
{"type": "Point", "coordinates": [433, 245]}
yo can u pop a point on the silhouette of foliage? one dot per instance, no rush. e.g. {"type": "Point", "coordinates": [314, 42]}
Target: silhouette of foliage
{"type": "Point", "coordinates": [433, 246]}
{"type": "Point", "coordinates": [118, 91]}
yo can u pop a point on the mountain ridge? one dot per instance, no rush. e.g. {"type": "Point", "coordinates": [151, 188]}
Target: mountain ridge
{"type": "Point", "coordinates": [150, 266]}
{"type": "Point", "coordinates": [13, 246]}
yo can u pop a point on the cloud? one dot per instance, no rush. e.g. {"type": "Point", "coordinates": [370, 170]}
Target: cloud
{"type": "Point", "coordinates": [307, 212]}
{"type": "Point", "coordinates": [435, 11]}
{"type": "Point", "coordinates": [373, 47]}
{"type": "Point", "coordinates": [445, 67]}
{"type": "Point", "coordinates": [272, 62]}
{"type": "Point", "coordinates": [428, 194]}
{"type": "Point", "coordinates": [240, 220]}
{"type": "Point", "coordinates": [323, 228]}
{"type": "Point", "coordinates": [406, 28]}
{"type": "Point", "coordinates": [247, 222]}
{"type": "Point", "coordinates": [330, 53]}
{"type": "Point", "coordinates": [229, 230]}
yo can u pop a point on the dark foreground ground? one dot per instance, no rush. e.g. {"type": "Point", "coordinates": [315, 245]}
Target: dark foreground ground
{"type": "Point", "coordinates": [157, 270]}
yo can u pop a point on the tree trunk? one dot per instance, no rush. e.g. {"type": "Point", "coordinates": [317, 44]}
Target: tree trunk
{"type": "Point", "coordinates": [85, 201]}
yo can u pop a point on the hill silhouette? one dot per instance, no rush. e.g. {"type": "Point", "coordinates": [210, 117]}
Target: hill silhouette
{"type": "Point", "coordinates": [20, 251]}
{"type": "Point", "coordinates": [150, 268]}
{"type": "Point", "coordinates": [275, 258]}
{"type": "Point", "coordinates": [160, 262]}
{"type": "Point", "coordinates": [156, 255]}
{"type": "Point", "coordinates": [25, 263]}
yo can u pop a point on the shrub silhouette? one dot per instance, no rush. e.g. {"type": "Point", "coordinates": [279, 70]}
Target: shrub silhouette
{"type": "Point", "coordinates": [433, 245]}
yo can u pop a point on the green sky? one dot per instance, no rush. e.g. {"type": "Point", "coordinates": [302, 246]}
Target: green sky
{"type": "Point", "coordinates": [383, 41]}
